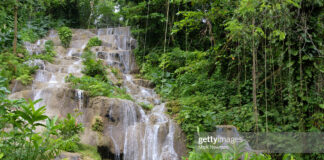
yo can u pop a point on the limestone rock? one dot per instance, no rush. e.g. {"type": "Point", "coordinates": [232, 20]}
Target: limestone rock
{"type": "Point", "coordinates": [114, 114]}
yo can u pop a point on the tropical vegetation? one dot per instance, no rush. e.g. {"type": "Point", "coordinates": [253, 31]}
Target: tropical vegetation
{"type": "Point", "coordinates": [254, 64]}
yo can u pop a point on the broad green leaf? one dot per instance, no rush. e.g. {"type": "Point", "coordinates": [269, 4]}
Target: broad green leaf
{"type": "Point", "coordinates": [293, 3]}
{"type": "Point", "coordinates": [290, 64]}
{"type": "Point", "coordinates": [321, 106]}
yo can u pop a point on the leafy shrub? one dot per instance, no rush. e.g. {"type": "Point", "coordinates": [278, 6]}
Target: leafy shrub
{"type": "Point", "coordinates": [25, 79]}
{"type": "Point", "coordinates": [49, 47]}
{"type": "Point", "coordinates": [19, 138]}
{"type": "Point", "coordinates": [93, 67]}
{"type": "Point", "coordinates": [173, 107]}
{"type": "Point", "coordinates": [28, 35]}
{"type": "Point", "coordinates": [12, 67]}
{"type": "Point", "coordinates": [65, 35]}
{"type": "Point", "coordinates": [97, 87]}
{"type": "Point", "coordinates": [146, 106]}
{"type": "Point", "coordinates": [69, 131]}
{"type": "Point", "coordinates": [173, 60]}
{"type": "Point", "coordinates": [3, 90]}
{"type": "Point", "coordinates": [69, 127]}
{"type": "Point", "coordinates": [94, 41]}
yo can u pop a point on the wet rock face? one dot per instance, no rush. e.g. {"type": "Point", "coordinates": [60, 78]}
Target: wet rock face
{"type": "Point", "coordinates": [117, 115]}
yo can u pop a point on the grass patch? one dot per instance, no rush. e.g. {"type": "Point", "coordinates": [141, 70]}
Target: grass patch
{"type": "Point", "coordinates": [89, 151]}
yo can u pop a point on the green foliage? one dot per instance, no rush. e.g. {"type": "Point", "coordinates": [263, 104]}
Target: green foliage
{"type": "Point", "coordinates": [206, 67]}
{"type": "Point", "coordinates": [116, 73]}
{"type": "Point", "coordinates": [24, 135]}
{"type": "Point", "coordinates": [146, 106]}
{"type": "Point", "coordinates": [12, 67]}
{"type": "Point", "coordinates": [20, 140]}
{"type": "Point", "coordinates": [98, 125]}
{"type": "Point", "coordinates": [227, 156]}
{"type": "Point", "coordinates": [65, 35]}
{"type": "Point", "coordinates": [207, 64]}
{"type": "Point", "coordinates": [104, 14]}
{"type": "Point", "coordinates": [28, 35]}
{"type": "Point", "coordinates": [94, 41]}
{"type": "Point", "coordinates": [93, 67]}
{"type": "Point", "coordinates": [234, 152]}
{"type": "Point", "coordinates": [95, 80]}
{"type": "Point", "coordinates": [97, 87]}
{"type": "Point", "coordinates": [69, 131]}
{"type": "Point", "coordinates": [173, 107]}
{"type": "Point", "coordinates": [48, 55]}
{"type": "Point", "coordinates": [89, 151]}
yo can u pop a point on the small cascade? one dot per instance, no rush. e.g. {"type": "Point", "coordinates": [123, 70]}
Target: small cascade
{"type": "Point", "coordinates": [53, 79]}
{"type": "Point", "coordinates": [38, 95]}
{"type": "Point", "coordinates": [79, 97]}
{"type": "Point", "coordinates": [71, 50]}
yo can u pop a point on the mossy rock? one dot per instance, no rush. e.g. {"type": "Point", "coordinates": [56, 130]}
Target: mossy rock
{"type": "Point", "coordinates": [97, 124]}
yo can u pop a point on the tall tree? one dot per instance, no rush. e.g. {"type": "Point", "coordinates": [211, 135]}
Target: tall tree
{"type": "Point", "coordinates": [15, 27]}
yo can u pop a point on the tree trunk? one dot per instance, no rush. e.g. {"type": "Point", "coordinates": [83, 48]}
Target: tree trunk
{"type": "Point", "coordinates": [254, 79]}
{"type": "Point", "coordinates": [15, 28]}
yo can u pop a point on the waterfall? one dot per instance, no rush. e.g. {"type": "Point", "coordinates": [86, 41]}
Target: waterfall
{"type": "Point", "coordinates": [137, 134]}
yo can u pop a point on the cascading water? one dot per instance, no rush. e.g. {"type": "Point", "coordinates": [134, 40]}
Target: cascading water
{"type": "Point", "coordinates": [137, 134]}
{"type": "Point", "coordinates": [143, 139]}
